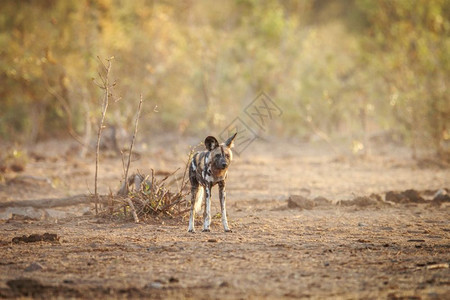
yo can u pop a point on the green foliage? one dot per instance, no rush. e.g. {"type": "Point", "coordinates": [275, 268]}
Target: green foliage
{"type": "Point", "coordinates": [409, 42]}
{"type": "Point", "coordinates": [330, 65]}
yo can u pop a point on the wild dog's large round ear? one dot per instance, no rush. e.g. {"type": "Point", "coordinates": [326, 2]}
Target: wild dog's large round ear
{"type": "Point", "coordinates": [230, 142]}
{"type": "Point", "coordinates": [211, 143]}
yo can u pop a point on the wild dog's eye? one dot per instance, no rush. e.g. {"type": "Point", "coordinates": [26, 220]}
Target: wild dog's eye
{"type": "Point", "coordinates": [217, 155]}
{"type": "Point", "coordinates": [227, 155]}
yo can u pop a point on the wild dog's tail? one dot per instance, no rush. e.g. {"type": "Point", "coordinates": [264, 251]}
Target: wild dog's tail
{"type": "Point", "coordinates": [199, 200]}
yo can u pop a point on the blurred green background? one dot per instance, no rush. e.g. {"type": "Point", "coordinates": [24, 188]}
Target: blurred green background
{"type": "Point", "coordinates": [354, 68]}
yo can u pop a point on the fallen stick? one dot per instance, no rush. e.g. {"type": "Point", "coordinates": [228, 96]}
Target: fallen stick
{"type": "Point", "coordinates": [133, 210]}
{"type": "Point", "coordinates": [55, 202]}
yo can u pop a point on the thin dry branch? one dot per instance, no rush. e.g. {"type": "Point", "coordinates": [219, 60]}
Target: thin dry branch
{"type": "Point", "coordinates": [105, 86]}
{"type": "Point", "coordinates": [133, 210]}
{"type": "Point", "coordinates": [132, 141]}
{"type": "Point", "coordinates": [130, 203]}
{"type": "Point", "coordinates": [54, 202]}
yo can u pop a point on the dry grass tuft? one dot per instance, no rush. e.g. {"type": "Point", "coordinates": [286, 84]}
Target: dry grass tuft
{"type": "Point", "coordinates": [145, 197]}
{"type": "Point", "coordinates": [153, 197]}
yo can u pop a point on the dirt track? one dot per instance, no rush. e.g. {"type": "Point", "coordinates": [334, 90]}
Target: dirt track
{"type": "Point", "coordinates": [382, 250]}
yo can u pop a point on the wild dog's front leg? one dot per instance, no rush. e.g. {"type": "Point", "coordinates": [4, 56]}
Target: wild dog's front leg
{"type": "Point", "coordinates": [192, 216]}
{"type": "Point", "coordinates": [207, 213]}
{"type": "Point", "coordinates": [222, 196]}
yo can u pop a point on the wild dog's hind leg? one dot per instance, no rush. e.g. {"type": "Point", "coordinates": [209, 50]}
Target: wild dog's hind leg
{"type": "Point", "coordinates": [223, 208]}
{"type": "Point", "coordinates": [207, 213]}
{"type": "Point", "coordinates": [194, 189]}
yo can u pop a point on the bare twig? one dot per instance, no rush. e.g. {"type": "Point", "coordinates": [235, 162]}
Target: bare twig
{"type": "Point", "coordinates": [105, 86]}
{"type": "Point", "coordinates": [132, 141]}
{"type": "Point", "coordinates": [169, 175]}
{"type": "Point", "coordinates": [133, 210]}
{"type": "Point", "coordinates": [126, 183]}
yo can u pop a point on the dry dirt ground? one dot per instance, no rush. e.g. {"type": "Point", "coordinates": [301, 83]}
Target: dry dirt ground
{"type": "Point", "coordinates": [370, 249]}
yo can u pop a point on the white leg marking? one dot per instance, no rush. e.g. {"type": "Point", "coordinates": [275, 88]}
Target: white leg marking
{"type": "Point", "coordinates": [192, 215]}
{"type": "Point", "coordinates": [222, 196]}
{"type": "Point", "coordinates": [199, 199]}
{"type": "Point", "coordinates": [191, 221]}
{"type": "Point", "coordinates": [224, 220]}
{"type": "Point", "coordinates": [207, 222]}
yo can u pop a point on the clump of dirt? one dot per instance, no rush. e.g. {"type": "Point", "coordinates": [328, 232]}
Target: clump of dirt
{"type": "Point", "coordinates": [321, 201]}
{"type": "Point", "coordinates": [25, 286]}
{"type": "Point", "coordinates": [301, 202]}
{"type": "Point", "coordinates": [396, 197]}
{"type": "Point", "coordinates": [440, 197]}
{"type": "Point", "coordinates": [34, 266]}
{"type": "Point", "coordinates": [33, 238]}
{"type": "Point", "coordinates": [413, 196]}
{"type": "Point", "coordinates": [364, 201]}
{"type": "Point", "coordinates": [374, 200]}
{"type": "Point", "coordinates": [407, 196]}
{"type": "Point", "coordinates": [298, 201]}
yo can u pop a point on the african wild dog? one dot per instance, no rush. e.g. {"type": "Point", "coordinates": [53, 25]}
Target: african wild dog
{"type": "Point", "coordinates": [208, 168]}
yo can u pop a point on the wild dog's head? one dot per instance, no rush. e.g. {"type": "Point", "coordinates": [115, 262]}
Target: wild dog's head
{"type": "Point", "coordinates": [221, 154]}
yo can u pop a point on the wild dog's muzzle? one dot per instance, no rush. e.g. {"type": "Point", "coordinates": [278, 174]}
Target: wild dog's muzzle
{"type": "Point", "coordinates": [223, 165]}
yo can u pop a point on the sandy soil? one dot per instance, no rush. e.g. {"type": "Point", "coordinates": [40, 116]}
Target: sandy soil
{"type": "Point", "coordinates": [380, 250]}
